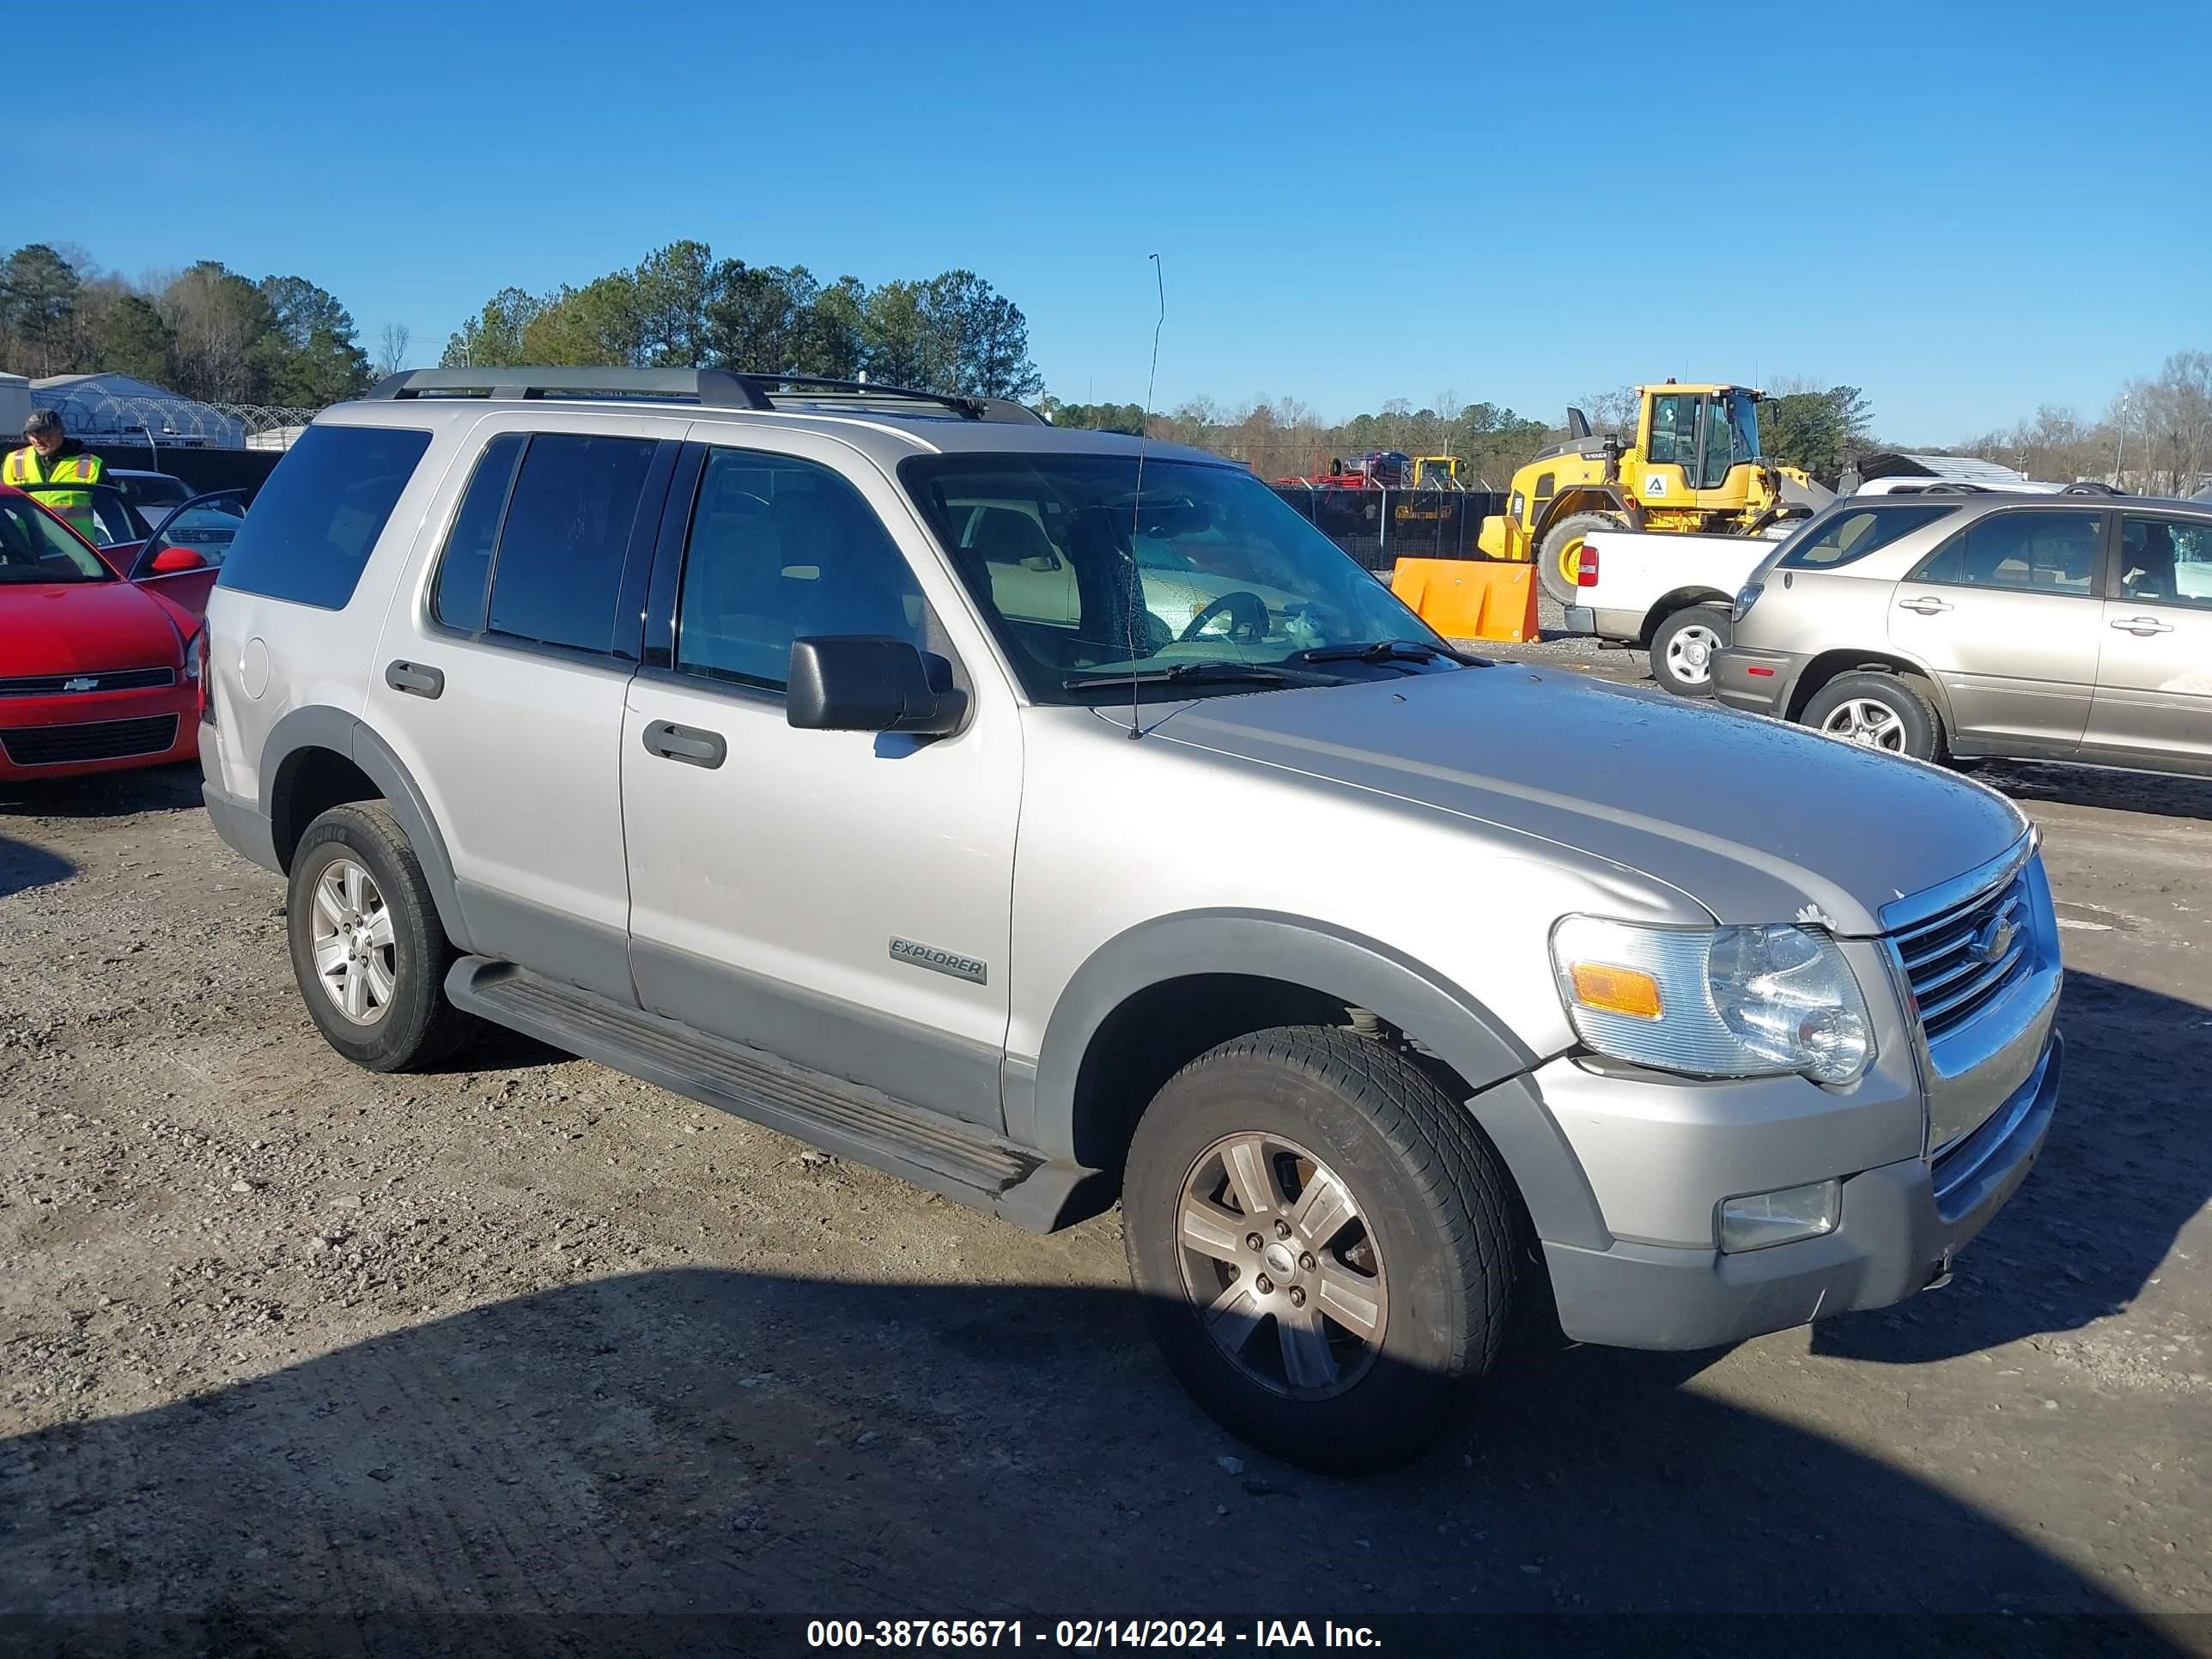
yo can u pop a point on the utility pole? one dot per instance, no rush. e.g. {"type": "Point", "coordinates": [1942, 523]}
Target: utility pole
{"type": "Point", "coordinates": [2120, 450]}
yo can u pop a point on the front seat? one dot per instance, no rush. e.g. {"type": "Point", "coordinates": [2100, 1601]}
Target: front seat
{"type": "Point", "coordinates": [2146, 571]}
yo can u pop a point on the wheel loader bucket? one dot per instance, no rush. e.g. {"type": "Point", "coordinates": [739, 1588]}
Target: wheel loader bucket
{"type": "Point", "coordinates": [1470, 598]}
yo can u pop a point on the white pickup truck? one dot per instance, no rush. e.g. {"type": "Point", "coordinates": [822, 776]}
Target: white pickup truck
{"type": "Point", "coordinates": [1667, 594]}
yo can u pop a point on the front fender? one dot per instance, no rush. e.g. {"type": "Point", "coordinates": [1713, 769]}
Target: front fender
{"type": "Point", "coordinates": [1364, 973]}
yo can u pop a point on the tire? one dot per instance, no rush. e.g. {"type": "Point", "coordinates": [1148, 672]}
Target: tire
{"type": "Point", "coordinates": [1684, 645]}
{"type": "Point", "coordinates": [394, 981]}
{"type": "Point", "coordinates": [1562, 546]}
{"type": "Point", "coordinates": [1877, 710]}
{"type": "Point", "coordinates": [1429, 1254]}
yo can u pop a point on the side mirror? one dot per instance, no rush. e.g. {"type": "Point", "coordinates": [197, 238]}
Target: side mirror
{"type": "Point", "coordinates": [870, 683]}
{"type": "Point", "coordinates": [174, 561]}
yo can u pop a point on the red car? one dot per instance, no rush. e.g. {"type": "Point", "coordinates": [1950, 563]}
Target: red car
{"type": "Point", "coordinates": [98, 668]}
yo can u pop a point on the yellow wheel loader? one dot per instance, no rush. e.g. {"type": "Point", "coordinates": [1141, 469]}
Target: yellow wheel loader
{"type": "Point", "coordinates": [1694, 467]}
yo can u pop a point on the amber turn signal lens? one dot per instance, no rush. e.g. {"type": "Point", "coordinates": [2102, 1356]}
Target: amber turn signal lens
{"type": "Point", "coordinates": [1616, 990]}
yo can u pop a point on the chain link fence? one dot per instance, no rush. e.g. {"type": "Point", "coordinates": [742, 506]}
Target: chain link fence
{"type": "Point", "coordinates": [93, 415]}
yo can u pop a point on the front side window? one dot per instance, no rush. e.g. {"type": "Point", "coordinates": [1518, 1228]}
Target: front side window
{"type": "Point", "coordinates": [36, 547]}
{"type": "Point", "coordinates": [101, 513]}
{"type": "Point", "coordinates": [2166, 562]}
{"type": "Point", "coordinates": [1851, 531]}
{"type": "Point", "coordinates": [1725, 441]}
{"type": "Point", "coordinates": [1743, 420]}
{"type": "Point", "coordinates": [1204, 579]}
{"type": "Point", "coordinates": [1674, 431]}
{"type": "Point", "coordinates": [782, 549]}
{"type": "Point", "coordinates": [2021, 552]}
{"type": "Point", "coordinates": [309, 533]}
{"type": "Point", "coordinates": [557, 576]}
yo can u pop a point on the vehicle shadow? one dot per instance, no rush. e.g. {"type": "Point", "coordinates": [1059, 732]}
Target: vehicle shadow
{"type": "Point", "coordinates": [618, 1467]}
{"type": "Point", "coordinates": [173, 788]}
{"type": "Point", "coordinates": [2126, 1166]}
{"type": "Point", "coordinates": [2028, 782]}
{"type": "Point", "coordinates": [23, 866]}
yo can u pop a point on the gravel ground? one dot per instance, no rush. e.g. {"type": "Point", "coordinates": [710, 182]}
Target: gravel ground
{"type": "Point", "coordinates": [284, 1340]}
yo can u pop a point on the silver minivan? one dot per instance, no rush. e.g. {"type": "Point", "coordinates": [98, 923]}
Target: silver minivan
{"type": "Point", "coordinates": [2072, 628]}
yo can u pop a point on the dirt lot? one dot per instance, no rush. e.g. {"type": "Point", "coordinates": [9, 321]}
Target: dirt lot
{"type": "Point", "coordinates": [283, 1340]}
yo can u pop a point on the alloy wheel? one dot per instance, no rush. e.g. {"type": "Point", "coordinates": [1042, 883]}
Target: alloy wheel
{"type": "Point", "coordinates": [357, 957]}
{"type": "Point", "coordinates": [1277, 1260]}
{"type": "Point", "coordinates": [1870, 724]}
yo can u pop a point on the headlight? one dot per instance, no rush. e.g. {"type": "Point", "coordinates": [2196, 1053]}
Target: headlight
{"type": "Point", "coordinates": [1714, 1001]}
{"type": "Point", "coordinates": [1745, 599]}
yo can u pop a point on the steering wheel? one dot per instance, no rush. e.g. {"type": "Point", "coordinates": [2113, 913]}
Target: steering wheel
{"type": "Point", "coordinates": [1247, 612]}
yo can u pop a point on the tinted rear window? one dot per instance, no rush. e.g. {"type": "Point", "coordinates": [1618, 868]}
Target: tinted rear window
{"type": "Point", "coordinates": [1854, 530]}
{"type": "Point", "coordinates": [465, 568]}
{"type": "Point", "coordinates": [315, 522]}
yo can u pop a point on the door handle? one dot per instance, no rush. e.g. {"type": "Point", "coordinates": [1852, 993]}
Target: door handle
{"type": "Point", "coordinates": [687, 743]}
{"type": "Point", "coordinates": [1926, 605]}
{"type": "Point", "coordinates": [2141, 627]}
{"type": "Point", "coordinates": [417, 679]}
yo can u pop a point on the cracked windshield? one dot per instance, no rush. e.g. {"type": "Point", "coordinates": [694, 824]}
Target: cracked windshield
{"type": "Point", "coordinates": [1205, 579]}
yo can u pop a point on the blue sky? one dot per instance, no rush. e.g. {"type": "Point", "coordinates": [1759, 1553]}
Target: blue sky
{"type": "Point", "coordinates": [1966, 210]}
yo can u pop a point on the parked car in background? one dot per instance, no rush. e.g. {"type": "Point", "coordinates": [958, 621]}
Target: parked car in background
{"type": "Point", "coordinates": [96, 673]}
{"type": "Point", "coordinates": [177, 555]}
{"type": "Point", "coordinates": [737, 731]}
{"type": "Point", "coordinates": [1910, 486]}
{"type": "Point", "coordinates": [2070, 627]}
{"type": "Point", "coordinates": [1667, 594]}
{"type": "Point", "coordinates": [152, 493]}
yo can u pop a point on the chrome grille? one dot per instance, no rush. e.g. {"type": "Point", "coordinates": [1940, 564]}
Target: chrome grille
{"type": "Point", "coordinates": [1958, 963]}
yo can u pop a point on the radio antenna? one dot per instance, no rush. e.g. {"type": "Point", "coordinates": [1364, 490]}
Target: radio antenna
{"type": "Point", "coordinates": [1137, 504]}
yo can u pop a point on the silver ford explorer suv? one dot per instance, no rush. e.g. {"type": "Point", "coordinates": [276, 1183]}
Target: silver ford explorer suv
{"type": "Point", "coordinates": [1045, 817]}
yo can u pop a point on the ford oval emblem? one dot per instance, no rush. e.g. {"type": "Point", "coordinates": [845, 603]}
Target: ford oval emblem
{"type": "Point", "coordinates": [1994, 937]}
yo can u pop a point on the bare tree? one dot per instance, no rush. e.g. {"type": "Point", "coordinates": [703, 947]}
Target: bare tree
{"type": "Point", "coordinates": [2170, 422]}
{"type": "Point", "coordinates": [392, 350]}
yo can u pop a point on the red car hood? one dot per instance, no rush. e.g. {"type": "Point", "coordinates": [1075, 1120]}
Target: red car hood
{"type": "Point", "coordinates": [67, 628]}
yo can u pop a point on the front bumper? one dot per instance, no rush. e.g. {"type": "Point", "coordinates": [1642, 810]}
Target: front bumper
{"type": "Point", "coordinates": [69, 737]}
{"type": "Point", "coordinates": [1757, 682]}
{"type": "Point", "coordinates": [1901, 1225]}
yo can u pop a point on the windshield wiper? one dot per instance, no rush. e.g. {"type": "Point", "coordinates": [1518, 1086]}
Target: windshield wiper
{"type": "Point", "coordinates": [1200, 673]}
{"type": "Point", "coordinates": [1388, 650]}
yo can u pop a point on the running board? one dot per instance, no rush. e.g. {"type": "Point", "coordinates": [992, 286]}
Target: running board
{"type": "Point", "coordinates": [957, 1159]}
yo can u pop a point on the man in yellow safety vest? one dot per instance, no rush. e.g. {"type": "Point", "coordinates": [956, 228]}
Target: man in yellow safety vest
{"type": "Point", "coordinates": [53, 458]}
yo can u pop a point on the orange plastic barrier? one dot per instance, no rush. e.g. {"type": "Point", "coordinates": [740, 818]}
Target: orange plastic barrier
{"type": "Point", "coordinates": [1470, 598]}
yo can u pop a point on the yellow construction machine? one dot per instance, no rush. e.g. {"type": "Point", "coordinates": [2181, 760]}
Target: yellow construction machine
{"type": "Point", "coordinates": [1694, 467]}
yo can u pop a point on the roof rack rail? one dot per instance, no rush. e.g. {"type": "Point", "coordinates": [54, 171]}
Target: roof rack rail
{"type": "Point", "coordinates": [715, 388]}
{"type": "Point", "coordinates": [820, 389]}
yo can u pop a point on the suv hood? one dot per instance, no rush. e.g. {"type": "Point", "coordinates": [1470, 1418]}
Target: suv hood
{"type": "Point", "coordinates": [1755, 820]}
{"type": "Point", "coordinates": [67, 628]}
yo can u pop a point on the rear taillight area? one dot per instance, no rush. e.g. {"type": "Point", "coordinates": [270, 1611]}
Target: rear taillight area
{"type": "Point", "coordinates": [1586, 567]}
{"type": "Point", "coordinates": [196, 670]}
